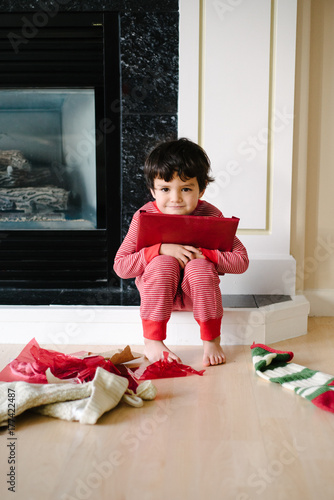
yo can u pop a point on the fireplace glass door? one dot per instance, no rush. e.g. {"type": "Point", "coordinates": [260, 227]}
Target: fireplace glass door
{"type": "Point", "coordinates": [48, 159]}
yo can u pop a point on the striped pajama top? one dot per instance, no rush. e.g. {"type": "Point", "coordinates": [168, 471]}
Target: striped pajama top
{"type": "Point", "coordinates": [131, 264]}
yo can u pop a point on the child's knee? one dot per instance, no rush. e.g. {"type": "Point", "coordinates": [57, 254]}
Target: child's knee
{"type": "Point", "coordinates": [202, 266]}
{"type": "Point", "coordinates": [201, 271]}
{"type": "Point", "coordinates": [163, 265]}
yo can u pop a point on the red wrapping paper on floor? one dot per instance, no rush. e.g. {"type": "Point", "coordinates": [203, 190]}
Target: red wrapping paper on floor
{"type": "Point", "coordinates": [166, 369]}
{"type": "Point", "coordinates": [32, 363]}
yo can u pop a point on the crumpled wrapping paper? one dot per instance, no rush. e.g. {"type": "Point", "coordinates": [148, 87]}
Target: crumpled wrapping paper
{"type": "Point", "coordinates": [165, 368]}
{"type": "Point", "coordinates": [40, 366]}
{"type": "Point", "coordinates": [82, 386]}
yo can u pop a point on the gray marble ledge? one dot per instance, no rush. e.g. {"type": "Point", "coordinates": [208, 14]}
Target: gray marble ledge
{"type": "Point", "coordinates": [127, 297]}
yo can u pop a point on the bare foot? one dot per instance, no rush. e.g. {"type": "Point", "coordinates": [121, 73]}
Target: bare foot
{"type": "Point", "coordinates": [154, 351]}
{"type": "Point", "coordinates": [213, 352]}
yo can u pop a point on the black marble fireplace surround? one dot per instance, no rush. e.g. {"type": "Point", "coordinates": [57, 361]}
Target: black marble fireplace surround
{"type": "Point", "coordinates": [149, 89]}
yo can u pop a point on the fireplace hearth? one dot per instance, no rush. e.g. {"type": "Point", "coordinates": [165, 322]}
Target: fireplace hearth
{"type": "Point", "coordinates": [86, 91]}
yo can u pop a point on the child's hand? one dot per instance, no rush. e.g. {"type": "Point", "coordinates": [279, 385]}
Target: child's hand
{"type": "Point", "coordinates": [183, 253]}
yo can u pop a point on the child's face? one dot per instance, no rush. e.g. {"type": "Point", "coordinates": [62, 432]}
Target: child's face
{"type": "Point", "coordinates": [176, 197]}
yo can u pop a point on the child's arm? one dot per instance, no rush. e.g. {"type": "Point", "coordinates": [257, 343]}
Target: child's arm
{"type": "Point", "coordinates": [128, 263]}
{"type": "Point", "coordinates": [233, 262]}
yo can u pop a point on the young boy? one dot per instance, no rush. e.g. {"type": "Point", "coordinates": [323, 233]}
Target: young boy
{"type": "Point", "coordinates": [173, 277]}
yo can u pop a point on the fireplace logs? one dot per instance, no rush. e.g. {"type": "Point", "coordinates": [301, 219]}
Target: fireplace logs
{"type": "Point", "coordinates": [14, 159]}
{"type": "Point", "coordinates": [28, 190]}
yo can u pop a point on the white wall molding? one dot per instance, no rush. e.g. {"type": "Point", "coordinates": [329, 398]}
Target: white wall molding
{"type": "Point", "coordinates": [188, 105]}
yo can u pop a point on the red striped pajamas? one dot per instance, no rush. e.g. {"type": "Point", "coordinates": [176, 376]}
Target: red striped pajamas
{"type": "Point", "coordinates": [164, 287]}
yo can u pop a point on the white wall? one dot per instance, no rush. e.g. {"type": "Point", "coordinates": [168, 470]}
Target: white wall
{"type": "Point", "coordinates": [312, 241]}
{"type": "Point", "coordinates": [237, 63]}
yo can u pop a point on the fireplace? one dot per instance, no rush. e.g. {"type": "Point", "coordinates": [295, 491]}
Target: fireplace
{"type": "Point", "coordinates": [86, 90]}
{"type": "Point", "coordinates": [53, 154]}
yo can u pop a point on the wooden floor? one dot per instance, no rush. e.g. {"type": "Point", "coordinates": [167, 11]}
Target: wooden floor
{"type": "Point", "coordinates": [226, 435]}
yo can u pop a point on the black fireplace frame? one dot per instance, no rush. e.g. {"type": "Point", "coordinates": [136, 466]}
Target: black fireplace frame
{"type": "Point", "coordinates": [68, 259]}
{"type": "Point", "coordinates": [149, 62]}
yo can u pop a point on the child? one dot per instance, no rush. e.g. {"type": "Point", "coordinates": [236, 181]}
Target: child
{"type": "Point", "coordinates": [172, 277]}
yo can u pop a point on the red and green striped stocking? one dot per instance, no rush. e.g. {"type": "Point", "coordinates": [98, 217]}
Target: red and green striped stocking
{"type": "Point", "coordinates": [275, 366]}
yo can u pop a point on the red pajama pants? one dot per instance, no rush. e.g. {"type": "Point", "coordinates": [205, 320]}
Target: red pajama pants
{"type": "Point", "coordinates": [164, 287]}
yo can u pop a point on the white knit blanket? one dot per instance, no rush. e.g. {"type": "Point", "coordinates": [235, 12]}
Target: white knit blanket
{"type": "Point", "coordinates": [84, 403]}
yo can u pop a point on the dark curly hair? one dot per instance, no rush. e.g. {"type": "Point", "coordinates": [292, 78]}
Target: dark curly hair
{"type": "Point", "coordinates": [183, 157]}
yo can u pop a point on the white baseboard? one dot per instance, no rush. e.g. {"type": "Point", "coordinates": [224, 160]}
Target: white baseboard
{"type": "Point", "coordinates": [321, 302]}
{"type": "Point", "coordinates": [115, 325]}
